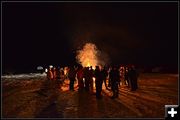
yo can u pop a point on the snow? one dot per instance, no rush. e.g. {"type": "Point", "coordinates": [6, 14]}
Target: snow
{"type": "Point", "coordinates": [24, 76]}
{"type": "Point", "coordinates": [32, 96]}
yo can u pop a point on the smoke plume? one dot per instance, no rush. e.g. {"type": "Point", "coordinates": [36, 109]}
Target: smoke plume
{"type": "Point", "coordinates": [89, 55]}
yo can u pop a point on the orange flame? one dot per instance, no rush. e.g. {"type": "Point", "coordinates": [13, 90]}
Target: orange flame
{"type": "Point", "coordinates": [88, 55]}
{"type": "Point", "coordinates": [88, 64]}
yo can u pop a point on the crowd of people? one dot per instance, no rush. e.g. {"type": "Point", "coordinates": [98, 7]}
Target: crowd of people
{"type": "Point", "coordinates": [112, 77]}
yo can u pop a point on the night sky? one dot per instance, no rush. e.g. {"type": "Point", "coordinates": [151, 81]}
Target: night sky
{"type": "Point", "coordinates": [46, 33]}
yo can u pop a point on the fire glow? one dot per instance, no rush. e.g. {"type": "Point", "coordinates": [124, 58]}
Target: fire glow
{"type": "Point", "coordinates": [88, 55]}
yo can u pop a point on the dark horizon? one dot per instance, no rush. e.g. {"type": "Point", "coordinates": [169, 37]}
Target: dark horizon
{"type": "Point", "coordinates": [39, 34]}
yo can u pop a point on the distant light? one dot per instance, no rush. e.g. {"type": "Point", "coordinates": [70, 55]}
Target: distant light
{"type": "Point", "coordinates": [50, 66]}
{"type": "Point", "coordinates": [39, 68]}
{"type": "Point", "coordinates": [46, 70]}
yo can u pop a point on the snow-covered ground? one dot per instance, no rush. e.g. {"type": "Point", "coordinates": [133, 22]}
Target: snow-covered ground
{"type": "Point", "coordinates": [24, 76]}
{"type": "Point", "coordinates": [32, 96]}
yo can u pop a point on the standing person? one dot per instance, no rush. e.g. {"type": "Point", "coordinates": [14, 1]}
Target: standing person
{"type": "Point", "coordinates": [115, 77]}
{"type": "Point", "coordinates": [58, 73]}
{"type": "Point", "coordinates": [55, 82]}
{"type": "Point", "coordinates": [122, 72]}
{"type": "Point", "coordinates": [104, 76]}
{"type": "Point", "coordinates": [126, 78]}
{"type": "Point", "coordinates": [66, 70]}
{"type": "Point", "coordinates": [58, 76]}
{"type": "Point", "coordinates": [91, 74]}
{"type": "Point", "coordinates": [54, 73]}
{"type": "Point", "coordinates": [72, 75]}
{"type": "Point", "coordinates": [50, 74]}
{"type": "Point", "coordinates": [80, 78]}
{"type": "Point", "coordinates": [109, 80]}
{"type": "Point", "coordinates": [62, 76]}
{"type": "Point", "coordinates": [133, 76]}
{"type": "Point", "coordinates": [98, 82]}
{"type": "Point", "coordinates": [87, 78]}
